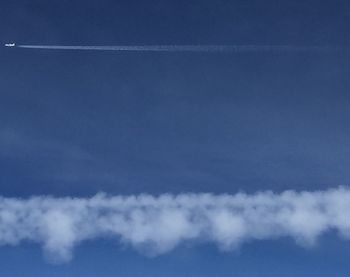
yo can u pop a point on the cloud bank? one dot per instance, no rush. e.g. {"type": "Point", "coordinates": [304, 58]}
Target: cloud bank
{"type": "Point", "coordinates": [158, 224]}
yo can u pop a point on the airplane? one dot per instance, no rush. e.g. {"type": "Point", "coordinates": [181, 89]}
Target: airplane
{"type": "Point", "coordinates": [10, 44]}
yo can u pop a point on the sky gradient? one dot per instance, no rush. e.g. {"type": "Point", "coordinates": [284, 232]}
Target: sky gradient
{"type": "Point", "coordinates": [78, 123]}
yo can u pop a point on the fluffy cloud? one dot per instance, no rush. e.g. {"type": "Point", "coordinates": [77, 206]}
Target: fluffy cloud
{"type": "Point", "coordinates": [158, 224]}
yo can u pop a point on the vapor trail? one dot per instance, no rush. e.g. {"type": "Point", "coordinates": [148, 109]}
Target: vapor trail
{"type": "Point", "coordinates": [160, 223]}
{"type": "Point", "coordinates": [188, 48]}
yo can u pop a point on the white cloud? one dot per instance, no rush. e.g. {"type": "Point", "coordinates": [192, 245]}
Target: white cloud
{"type": "Point", "coordinates": [158, 224]}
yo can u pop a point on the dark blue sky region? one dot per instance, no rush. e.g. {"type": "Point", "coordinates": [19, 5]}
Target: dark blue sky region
{"type": "Point", "coordinates": [75, 123]}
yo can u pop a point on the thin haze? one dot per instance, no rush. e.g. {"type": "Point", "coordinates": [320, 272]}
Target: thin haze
{"type": "Point", "coordinates": [188, 48]}
{"type": "Point", "coordinates": [158, 224]}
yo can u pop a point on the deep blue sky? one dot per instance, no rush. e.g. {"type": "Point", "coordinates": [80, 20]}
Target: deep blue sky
{"type": "Point", "coordinates": [76, 123]}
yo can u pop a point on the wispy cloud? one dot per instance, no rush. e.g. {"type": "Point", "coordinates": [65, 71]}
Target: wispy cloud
{"type": "Point", "coordinates": [58, 161]}
{"type": "Point", "coordinates": [158, 224]}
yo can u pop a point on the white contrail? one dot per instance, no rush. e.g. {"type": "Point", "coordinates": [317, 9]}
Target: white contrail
{"type": "Point", "coordinates": [158, 224]}
{"type": "Point", "coordinates": [188, 48]}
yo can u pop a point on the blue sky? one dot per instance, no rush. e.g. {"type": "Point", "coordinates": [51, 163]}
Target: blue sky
{"type": "Point", "coordinates": [78, 123]}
